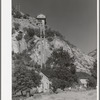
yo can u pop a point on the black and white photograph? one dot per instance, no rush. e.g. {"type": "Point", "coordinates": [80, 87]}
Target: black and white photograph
{"type": "Point", "coordinates": [54, 52]}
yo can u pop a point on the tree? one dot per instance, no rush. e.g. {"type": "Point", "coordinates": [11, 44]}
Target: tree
{"type": "Point", "coordinates": [16, 14]}
{"type": "Point", "coordinates": [58, 83]}
{"type": "Point", "coordinates": [23, 78]}
{"type": "Point", "coordinates": [23, 58]}
{"type": "Point", "coordinates": [60, 66]}
{"type": "Point", "coordinates": [94, 70]}
{"type": "Point", "coordinates": [66, 73]}
{"type": "Point", "coordinates": [60, 57]}
{"type": "Point", "coordinates": [92, 81]}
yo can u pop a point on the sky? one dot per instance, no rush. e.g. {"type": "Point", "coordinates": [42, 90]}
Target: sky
{"type": "Point", "coordinates": [74, 19]}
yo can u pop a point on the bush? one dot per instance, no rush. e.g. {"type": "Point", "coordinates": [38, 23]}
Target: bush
{"type": "Point", "coordinates": [37, 32]}
{"type": "Point", "coordinates": [23, 77]}
{"type": "Point", "coordinates": [94, 70]}
{"type": "Point", "coordinates": [92, 82]}
{"type": "Point", "coordinates": [16, 25]}
{"type": "Point", "coordinates": [30, 33]}
{"type": "Point", "coordinates": [50, 39]}
{"type": "Point", "coordinates": [19, 36]}
{"type": "Point", "coordinates": [52, 33]}
{"type": "Point", "coordinates": [17, 14]}
{"type": "Point", "coordinates": [58, 83]}
{"type": "Point", "coordinates": [49, 33]}
{"type": "Point", "coordinates": [26, 16]}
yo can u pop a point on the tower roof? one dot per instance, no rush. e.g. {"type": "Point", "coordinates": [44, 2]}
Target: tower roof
{"type": "Point", "coordinates": [41, 16]}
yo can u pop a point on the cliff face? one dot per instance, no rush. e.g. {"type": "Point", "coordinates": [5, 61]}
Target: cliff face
{"type": "Point", "coordinates": [25, 36]}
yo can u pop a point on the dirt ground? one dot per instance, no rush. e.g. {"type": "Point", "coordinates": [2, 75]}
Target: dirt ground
{"type": "Point", "coordinates": [68, 95]}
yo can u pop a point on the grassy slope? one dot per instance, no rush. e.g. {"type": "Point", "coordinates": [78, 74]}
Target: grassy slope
{"type": "Point", "coordinates": [69, 95]}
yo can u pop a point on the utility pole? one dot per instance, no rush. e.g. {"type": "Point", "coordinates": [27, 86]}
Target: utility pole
{"type": "Point", "coordinates": [42, 22]}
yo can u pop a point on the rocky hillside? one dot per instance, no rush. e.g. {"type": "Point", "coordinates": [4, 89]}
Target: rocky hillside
{"type": "Point", "coordinates": [93, 54]}
{"type": "Point", "coordinates": [25, 36]}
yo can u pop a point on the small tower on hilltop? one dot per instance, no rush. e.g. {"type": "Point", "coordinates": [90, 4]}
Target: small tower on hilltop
{"type": "Point", "coordinates": [42, 18]}
{"type": "Point", "coordinates": [42, 23]}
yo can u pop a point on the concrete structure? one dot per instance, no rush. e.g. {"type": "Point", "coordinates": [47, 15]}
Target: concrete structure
{"type": "Point", "coordinates": [42, 23]}
{"type": "Point", "coordinates": [45, 84]}
{"type": "Point", "coordinates": [42, 19]}
{"type": "Point", "coordinates": [83, 83]}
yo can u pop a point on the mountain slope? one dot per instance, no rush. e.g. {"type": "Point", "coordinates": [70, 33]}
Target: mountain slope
{"type": "Point", "coordinates": [25, 36]}
{"type": "Point", "coordinates": [93, 54]}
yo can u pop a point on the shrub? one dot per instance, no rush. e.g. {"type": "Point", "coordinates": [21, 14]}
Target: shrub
{"type": "Point", "coordinates": [49, 33]}
{"type": "Point", "coordinates": [94, 70]}
{"type": "Point", "coordinates": [26, 16]}
{"type": "Point", "coordinates": [16, 25]}
{"type": "Point", "coordinates": [92, 82]}
{"type": "Point", "coordinates": [17, 14]}
{"type": "Point", "coordinates": [52, 33]}
{"type": "Point", "coordinates": [30, 33]}
{"type": "Point", "coordinates": [58, 83]}
{"type": "Point", "coordinates": [23, 78]}
{"type": "Point", "coordinates": [37, 32]}
{"type": "Point", "coordinates": [22, 58]}
{"type": "Point", "coordinates": [50, 39]}
{"type": "Point", "coordinates": [19, 36]}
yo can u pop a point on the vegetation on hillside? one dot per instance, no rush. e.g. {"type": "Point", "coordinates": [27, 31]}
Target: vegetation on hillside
{"type": "Point", "coordinates": [30, 32]}
{"type": "Point", "coordinates": [60, 68]}
{"type": "Point", "coordinates": [16, 26]}
{"type": "Point", "coordinates": [94, 70]}
{"type": "Point", "coordinates": [17, 14]}
{"type": "Point", "coordinates": [93, 80]}
{"type": "Point", "coordinates": [50, 34]}
{"type": "Point", "coordinates": [23, 78]}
